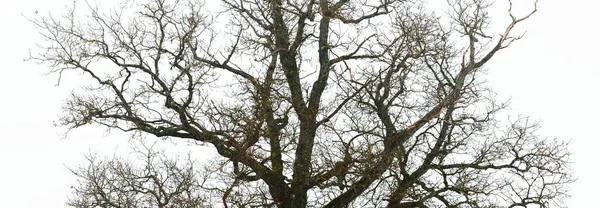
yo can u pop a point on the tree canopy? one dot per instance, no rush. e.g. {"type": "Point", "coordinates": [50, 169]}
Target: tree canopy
{"type": "Point", "coordinates": [309, 103]}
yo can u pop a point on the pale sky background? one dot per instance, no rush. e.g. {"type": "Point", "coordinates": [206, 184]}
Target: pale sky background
{"type": "Point", "coordinates": [552, 75]}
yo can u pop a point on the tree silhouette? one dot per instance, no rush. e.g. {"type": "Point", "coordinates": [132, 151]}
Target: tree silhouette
{"type": "Point", "coordinates": [314, 103]}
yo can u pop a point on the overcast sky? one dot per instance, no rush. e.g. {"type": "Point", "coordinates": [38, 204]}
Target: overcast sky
{"type": "Point", "coordinates": [552, 74]}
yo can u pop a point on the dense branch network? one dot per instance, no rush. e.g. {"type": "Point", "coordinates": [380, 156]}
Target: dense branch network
{"type": "Point", "coordinates": [314, 102]}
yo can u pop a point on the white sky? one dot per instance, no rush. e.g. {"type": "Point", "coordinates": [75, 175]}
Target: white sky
{"type": "Point", "coordinates": [551, 75]}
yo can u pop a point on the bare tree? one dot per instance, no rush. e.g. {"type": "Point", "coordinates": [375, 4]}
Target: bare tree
{"type": "Point", "coordinates": [314, 102]}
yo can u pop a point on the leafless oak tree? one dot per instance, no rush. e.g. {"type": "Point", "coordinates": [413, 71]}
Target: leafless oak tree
{"type": "Point", "coordinates": [314, 103]}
